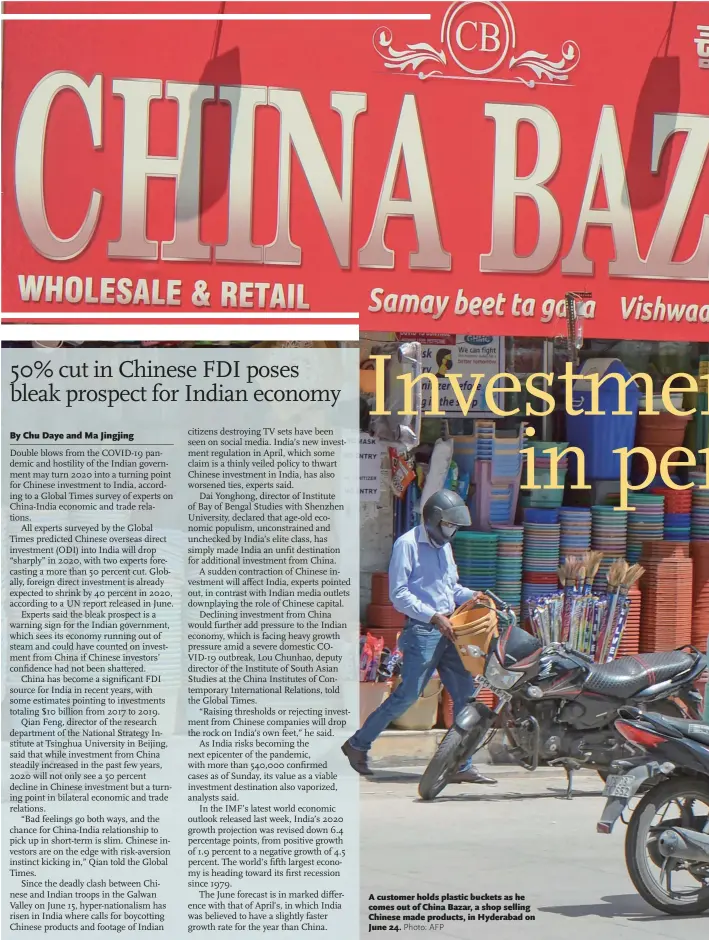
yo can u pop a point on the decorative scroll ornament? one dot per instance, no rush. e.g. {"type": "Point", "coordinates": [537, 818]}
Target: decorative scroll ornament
{"type": "Point", "coordinates": [478, 50]}
{"type": "Point", "coordinates": [413, 56]}
{"type": "Point", "coordinates": [553, 71]}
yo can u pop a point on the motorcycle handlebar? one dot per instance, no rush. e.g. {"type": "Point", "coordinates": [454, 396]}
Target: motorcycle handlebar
{"type": "Point", "coordinates": [503, 609]}
{"type": "Point", "coordinates": [496, 600]}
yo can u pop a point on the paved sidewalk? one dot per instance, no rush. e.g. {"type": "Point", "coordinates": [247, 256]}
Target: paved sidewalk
{"type": "Point", "coordinates": [520, 837]}
{"type": "Point", "coordinates": [394, 748]}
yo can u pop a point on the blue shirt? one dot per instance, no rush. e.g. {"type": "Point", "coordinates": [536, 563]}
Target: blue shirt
{"type": "Point", "coordinates": [423, 579]}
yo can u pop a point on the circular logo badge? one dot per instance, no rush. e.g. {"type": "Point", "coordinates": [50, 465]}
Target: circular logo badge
{"type": "Point", "coordinates": [479, 35]}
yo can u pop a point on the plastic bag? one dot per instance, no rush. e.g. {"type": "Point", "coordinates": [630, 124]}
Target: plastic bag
{"type": "Point", "coordinates": [402, 474]}
{"type": "Point", "coordinates": [376, 645]}
{"type": "Point", "coordinates": [404, 358]}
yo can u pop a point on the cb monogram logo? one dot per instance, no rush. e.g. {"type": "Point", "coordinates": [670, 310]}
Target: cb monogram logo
{"type": "Point", "coordinates": [478, 39]}
{"type": "Point", "coordinates": [478, 46]}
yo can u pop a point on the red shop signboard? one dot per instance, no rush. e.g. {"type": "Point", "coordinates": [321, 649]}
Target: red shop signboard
{"type": "Point", "coordinates": [454, 171]}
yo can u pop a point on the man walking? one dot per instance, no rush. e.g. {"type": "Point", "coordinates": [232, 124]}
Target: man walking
{"type": "Point", "coordinates": [423, 585]}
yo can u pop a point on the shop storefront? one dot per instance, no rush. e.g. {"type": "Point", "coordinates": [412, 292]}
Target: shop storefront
{"type": "Point", "coordinates": [507, 550]}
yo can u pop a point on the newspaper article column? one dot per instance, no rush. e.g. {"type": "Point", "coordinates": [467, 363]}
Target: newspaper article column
{"type": "Point", "coordinates": [180, 602]}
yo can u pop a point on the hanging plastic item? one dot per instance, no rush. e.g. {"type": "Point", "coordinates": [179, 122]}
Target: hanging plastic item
{"type": "Point", "coordinates": [438, 469]}
{"type": "Point", "coordinates": [403, 359]}
{"type": "Point", "coordinates": [452, 478]}
{"type": "Point", "coordinates": [402, 474]}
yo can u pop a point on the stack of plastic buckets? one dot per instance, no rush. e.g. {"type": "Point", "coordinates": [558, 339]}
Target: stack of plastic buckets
{"type": "Point", "coordinates": [646, 523]}
{"type": "Point", "coordinates": [700, 506]}
{"type": "Point", "coordinates": [541, 559]}
{"type": "Point", "coordinates": [509, 565]}
{"type": "Point", "coordinates": [630, 642]}
{"type": "Point", "coordinates": [660, 433]}
{"type": "Point", "coordinates": [700, 555]}
{"type": "Point", "coordinates": [498, 468]}
{"type": "Point", "coordinates": [667, 596]}
{"type": "Point", "coordinates": [610, 536]}
{"type": "Point", "coordinates": [484, 438]}
{"type": "Point", "coordinates": [678, 514]}
{"type": "Point", "coordinates": [575, 531]}
{"type": "Point", "coordinates": [476, 557]}
{"type": "Point", "coordinates": [700, 591]}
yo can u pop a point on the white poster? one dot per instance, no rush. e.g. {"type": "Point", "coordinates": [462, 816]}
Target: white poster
{"type": "Point", "coordinates": [466, 355]}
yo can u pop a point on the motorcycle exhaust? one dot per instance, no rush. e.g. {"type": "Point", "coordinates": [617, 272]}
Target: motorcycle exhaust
{"type": "Point", "coordinates": [687, 844]}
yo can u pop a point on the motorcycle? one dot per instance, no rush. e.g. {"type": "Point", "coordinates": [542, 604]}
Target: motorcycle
{"type": "Point", "coordinates": [667, 856]}
{"type": "Point", "coordinates": [557, 706]}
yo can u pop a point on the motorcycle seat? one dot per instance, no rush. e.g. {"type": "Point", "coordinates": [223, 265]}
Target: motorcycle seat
{"type": "Point", "coordinates": [625, 677]}
{"type": "Point", "coordinates": [694, 730]}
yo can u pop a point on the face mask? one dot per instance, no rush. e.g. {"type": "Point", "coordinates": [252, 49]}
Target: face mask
{"type": "Point", "coordinates": [448, 530]}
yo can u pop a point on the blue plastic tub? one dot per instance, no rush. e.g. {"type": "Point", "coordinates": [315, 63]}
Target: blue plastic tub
{"type": "Point", "coordinates": [542, 516]}
{"type": "Point", "coordinates": [599, 435]}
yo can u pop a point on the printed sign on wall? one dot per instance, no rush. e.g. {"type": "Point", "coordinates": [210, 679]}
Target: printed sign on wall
{"type": "Point", "coordinates": [370, 468]}
{"type": "Point", "coordinates": [442, 355]}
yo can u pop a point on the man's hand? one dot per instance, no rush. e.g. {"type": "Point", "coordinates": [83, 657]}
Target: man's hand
{"type": "Point", "coordinates": [445, 626]}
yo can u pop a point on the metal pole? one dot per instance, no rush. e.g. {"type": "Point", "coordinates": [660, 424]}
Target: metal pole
{"type": "Point", "coordinates": [548, 366]}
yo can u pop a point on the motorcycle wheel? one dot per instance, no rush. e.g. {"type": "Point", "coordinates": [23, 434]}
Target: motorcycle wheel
{"type": "Point", "coordinates": [451, 753]}
{"type": "Point", "coordinates": [640, 858]}
{"type": "Point", "coordinates": [667, 708]}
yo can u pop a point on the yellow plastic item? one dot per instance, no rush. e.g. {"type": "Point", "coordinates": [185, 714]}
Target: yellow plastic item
{"type": "Point", "coordinates": [423, 714]}
{"type": "Point", "coordinates": [474, 625]}
{"type": "Point", "coordinates": [371, 696]}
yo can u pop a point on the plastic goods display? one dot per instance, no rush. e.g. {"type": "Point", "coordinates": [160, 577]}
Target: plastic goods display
{"type": "Point", "coordinates": [593, 624]}
{"type": "Point", "coordinates": [609, 536]}
{"type": "Point", "coordinates": [700, 506]}
{"type": "Point", "coordinates": [630, 640]}
{"type": "Point", "coordinates": [385, 616]}
{"type": "Point", "coordinates": [597, 436]}
{"type": "Point", "coordinates": [509, 565]}
{"type": "Point", "coordinates": [646, 523]}
{"type": "Point", "coordinates": [699, 552]}
{"type": "Point", "coordinates": [662, 432]}
{"type": "Point", "coordinates": [497, 475]}
{"type": "Point", "coordinates": [380, 588]}
{"type": "Point", "coordinates": [631, 581]}
{"type": "Point", "coordinates": [575, 530]}
{"type": "Point", "coordinates": [541, 559]}
{"type": "Point", "coordinates": [476, 557]}
{"type": "Point", "coordinates": [666, 596]}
